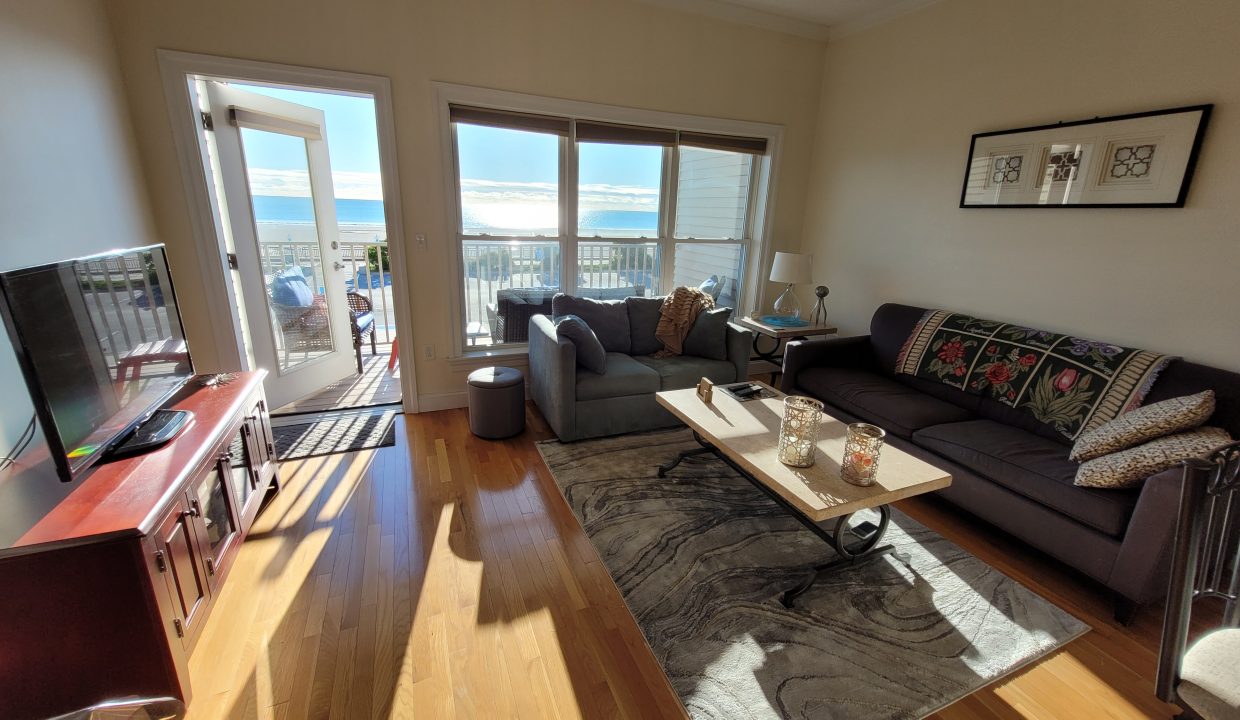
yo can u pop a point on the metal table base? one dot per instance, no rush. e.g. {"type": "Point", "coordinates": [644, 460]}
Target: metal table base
{"type": "Point", "coordinates": [864, 548]}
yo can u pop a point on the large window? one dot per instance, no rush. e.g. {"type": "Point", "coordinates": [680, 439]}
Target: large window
{"type": "Point", "coordinates": [557, 204]}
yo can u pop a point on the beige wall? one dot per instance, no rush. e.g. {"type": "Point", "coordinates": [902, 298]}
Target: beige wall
{"type": "Point", "coordinates": [70, 185]}
{"type": "Point", "coordinates": [610, 51]}
{"type": "Point", "coordinates": [900, 102]}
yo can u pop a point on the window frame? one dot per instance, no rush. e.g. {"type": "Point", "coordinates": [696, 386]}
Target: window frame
{"type": "Point", "coordinates": [756, 245]}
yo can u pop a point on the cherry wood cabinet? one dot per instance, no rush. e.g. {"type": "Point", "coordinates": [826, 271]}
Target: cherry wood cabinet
{"type": "Point", "coordinates": [107, 595]}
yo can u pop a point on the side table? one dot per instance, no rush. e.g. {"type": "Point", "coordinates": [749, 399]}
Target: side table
{"type": "Point", "coordinates": [780, 335]}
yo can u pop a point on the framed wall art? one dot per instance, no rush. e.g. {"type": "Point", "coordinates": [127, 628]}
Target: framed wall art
{"type": "Point", "coordinates": [1138, 160]}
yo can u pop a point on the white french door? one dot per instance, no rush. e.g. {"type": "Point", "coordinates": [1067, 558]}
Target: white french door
{"type": "Point", "coordinates": [293, 285]}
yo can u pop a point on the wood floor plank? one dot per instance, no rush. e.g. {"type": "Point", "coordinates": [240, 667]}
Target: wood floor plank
{"type": "Point", "coordinates": [445, 576]}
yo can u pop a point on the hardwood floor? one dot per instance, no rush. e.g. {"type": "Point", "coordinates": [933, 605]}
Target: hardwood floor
{"type": "Point", "coordinates": [445, 577]}
{"type": "Point", "coordinates": [375, 385]}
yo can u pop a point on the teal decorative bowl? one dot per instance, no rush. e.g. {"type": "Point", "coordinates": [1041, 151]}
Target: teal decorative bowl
{"type": "Point", "coordinates": [781, 321]}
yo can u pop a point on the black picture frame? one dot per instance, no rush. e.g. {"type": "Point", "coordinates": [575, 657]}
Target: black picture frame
{"type": "Point", "coordinates": [1063, 178]}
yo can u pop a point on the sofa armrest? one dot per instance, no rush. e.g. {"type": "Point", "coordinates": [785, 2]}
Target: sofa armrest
{"type": "Point", "coordinates": [740, 342]}
{"type": "Point", "coordinates": [553, 376]}
{"type": "Point", "coordinates": [1140, 571]}
{"type": "Point", "coordinates": [799, 355]}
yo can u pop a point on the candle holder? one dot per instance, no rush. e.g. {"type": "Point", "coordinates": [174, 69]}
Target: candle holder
{"type": "Point", "coordinates": [798, 433]}
{"type": "Point", "coordinates": [861, 450]}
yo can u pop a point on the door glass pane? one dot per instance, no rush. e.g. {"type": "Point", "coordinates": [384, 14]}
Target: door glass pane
{"type": "Point", "coordinates": [618, 190]}
{"type": "Point", "coordinates": [714, 267]}
{"type": "Point", "coordinates": [213, 504]}
{"type": "Point", "coordinates": [712, 200]}
{"type": "Point", "coordinates": [611, 271]}
{"type": "Point", "coordinates": [288, 237]}
{"type": "Point", "coordinates": [239, 470]}
{"type": "Point", "coordinates": [505, 283]}
{"type": "Point", "coordinates": [509, 181]}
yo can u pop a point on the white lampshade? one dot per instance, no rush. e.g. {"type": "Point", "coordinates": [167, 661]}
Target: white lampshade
{"type": "Point", "coordinates": [792, 268]}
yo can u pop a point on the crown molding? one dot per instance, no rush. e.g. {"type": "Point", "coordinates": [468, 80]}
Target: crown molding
{"type": "Point", "coordinates": [878, 17]}
{"type": "Point", "coordinates": [723, 10]}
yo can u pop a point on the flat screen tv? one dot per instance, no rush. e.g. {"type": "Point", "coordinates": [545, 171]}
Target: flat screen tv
{"type": "Point", "coordinates": [101, 345]}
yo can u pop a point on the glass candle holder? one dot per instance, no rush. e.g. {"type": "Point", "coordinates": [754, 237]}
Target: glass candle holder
{"type": "Point", "coordinates": [861, 450]}
{"type": "Point", "coordinates": [798, 433]}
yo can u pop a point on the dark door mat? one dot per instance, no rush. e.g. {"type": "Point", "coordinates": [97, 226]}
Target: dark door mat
{"type": "Point", "coordinates": [335, 435]}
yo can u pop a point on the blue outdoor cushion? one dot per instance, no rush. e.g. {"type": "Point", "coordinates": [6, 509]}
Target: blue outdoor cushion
{"type": "Point", "coordinates": [363, 321]}
{"type": "Point", "coordinates": [290, 289]}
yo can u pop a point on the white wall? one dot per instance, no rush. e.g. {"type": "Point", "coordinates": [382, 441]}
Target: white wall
{"type": "Point", "coordinates": [899, 104]}
{"type": "Point", "coordinates": [70, 185]}
{"type": "Point", "coordinates": [617, 52]}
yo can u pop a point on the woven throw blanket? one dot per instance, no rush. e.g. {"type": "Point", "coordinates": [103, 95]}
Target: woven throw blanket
{"type": "Point", "coordinates": [676, 317]}
{"type": "Point", "coordinates": [1066, 382]}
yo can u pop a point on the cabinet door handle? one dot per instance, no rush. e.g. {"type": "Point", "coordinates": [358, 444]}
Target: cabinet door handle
{"type": "Point", "coordinates": [193, 511]}
{"type": "Point", "coordinates": [160, 564]}
{"type": "Point", "coordinates": [176, 624]}
{"type": "Point", "coordinates": [210, 566]}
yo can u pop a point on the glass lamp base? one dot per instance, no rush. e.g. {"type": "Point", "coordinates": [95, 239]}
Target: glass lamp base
{"type": "Point", "coordinates": [787, 305]}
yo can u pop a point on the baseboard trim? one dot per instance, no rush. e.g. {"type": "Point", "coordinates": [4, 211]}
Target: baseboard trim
{"type": "Point", "coordinates": [442, 401]}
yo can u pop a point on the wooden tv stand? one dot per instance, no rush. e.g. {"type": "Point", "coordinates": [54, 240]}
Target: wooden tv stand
{"type": "Point", "coordinates": [106, 595]}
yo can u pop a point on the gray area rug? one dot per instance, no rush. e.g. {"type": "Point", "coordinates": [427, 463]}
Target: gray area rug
{"type": "Point", "coordinates": [702, 556]}
{"type": "Point", "coordinates": [338, 434]}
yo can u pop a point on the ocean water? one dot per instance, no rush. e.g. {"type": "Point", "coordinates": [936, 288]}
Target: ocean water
{"type": "Point", "coordinates": [280, 209]}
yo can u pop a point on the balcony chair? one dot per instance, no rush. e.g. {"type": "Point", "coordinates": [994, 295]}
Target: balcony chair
{"type": "Point", "coordinates": [1204, 679]}
{"type": "Point", "coordinates": [300, 314]}
{"type": "Point", "coordinates": [361, 323]}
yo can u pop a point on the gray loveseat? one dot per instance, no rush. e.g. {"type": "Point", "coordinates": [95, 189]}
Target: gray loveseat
{"type": "Point", "coordinates": [1006, 468]}
{"type": "Point", "coordinates": [579, 403]}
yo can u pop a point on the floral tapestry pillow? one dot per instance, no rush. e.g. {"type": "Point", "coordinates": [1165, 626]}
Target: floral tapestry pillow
{"type": "Point", "coordinates": [1129, 468]}
{"type": "Point", "coordinates": [1144, 423]}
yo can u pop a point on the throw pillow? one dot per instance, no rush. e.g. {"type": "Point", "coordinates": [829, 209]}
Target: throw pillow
{"type": "Point", "coordinates": [643, 321]}
{"type": "Point", "coordinates": [609, 319]}
{"type": "Point", "coordinates": [1129, 468]}
{"type": "Point", "coordinates": [590, 352]}
{"type": "Point", "coordinates": [1144, 423]}
{"type": "Point", "coordinates": [708, 337]}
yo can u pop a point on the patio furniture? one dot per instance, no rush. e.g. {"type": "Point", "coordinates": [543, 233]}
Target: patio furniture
{"type": "Point", "coordinates": [496, 402]}
{"type": "Point", "coordinates": [166, 350]}
{"type": "Point", "coordinates": [361, 324]}
{"type": "Point", "coordinates": [1204, 679]}
{"type": "Point", "coordinates": [510, 315]}
{"type": "Point", "coordinates": [300, 314]}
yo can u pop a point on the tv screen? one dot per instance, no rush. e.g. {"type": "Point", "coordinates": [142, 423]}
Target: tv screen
{"type": "Point", "coordinates": [101, 346]}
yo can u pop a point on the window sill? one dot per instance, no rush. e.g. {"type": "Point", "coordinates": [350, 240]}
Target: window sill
{"type": "Point", "coordinates": [483, 358]}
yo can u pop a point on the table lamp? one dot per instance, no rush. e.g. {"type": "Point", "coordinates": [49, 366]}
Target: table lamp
{"type": "Point", "coordinates": [790, 268]}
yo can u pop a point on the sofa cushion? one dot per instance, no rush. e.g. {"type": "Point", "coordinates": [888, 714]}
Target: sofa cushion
{"type": "Point", "coordinates": [609, 319]}
{"type": "Point", "coordinates": [1144, 423]}
{"type": "Point", "coordinates": [1029, 465]}
{"type": "Point", "coordinates": [708, 337]}
{"type": "Point", "coordinates": [683, 371]}
{"type": "Point", "coordinates": [643, 321]}
{"type": "Point", "coordinates": [590, 353]}
{"type": "Point", "coordinates": [896, 408]}
{"type": "Point", "coordinates": [624, 376]}
{"type": "Point", "coordinates": [1129, 468]}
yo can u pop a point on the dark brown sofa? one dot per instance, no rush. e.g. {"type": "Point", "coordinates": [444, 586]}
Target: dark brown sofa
{"type": "Point", "coordinates": [1007, 468]}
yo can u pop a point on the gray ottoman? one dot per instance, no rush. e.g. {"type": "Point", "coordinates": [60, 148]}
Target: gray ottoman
{"type": "Point", "coordinates": [496, 402]}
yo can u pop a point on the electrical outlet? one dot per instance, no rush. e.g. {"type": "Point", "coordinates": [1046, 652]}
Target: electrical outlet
{"type": "Point", "coordinates": [428, 352]}
{"type": "Point", "coordinates": [421, 240]}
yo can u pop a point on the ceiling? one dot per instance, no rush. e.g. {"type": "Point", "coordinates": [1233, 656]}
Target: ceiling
{"type": "Point", "coordinates": [818, 19]}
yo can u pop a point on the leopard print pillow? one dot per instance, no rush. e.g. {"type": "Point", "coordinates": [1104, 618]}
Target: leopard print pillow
{"type": "Point", "coordinates": [1144, 423]}
{"type": "Point", "coordinates": [1129, 468]}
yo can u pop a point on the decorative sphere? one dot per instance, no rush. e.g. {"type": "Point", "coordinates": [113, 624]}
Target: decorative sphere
{"type": "Point", "coordinates": [822, 291]}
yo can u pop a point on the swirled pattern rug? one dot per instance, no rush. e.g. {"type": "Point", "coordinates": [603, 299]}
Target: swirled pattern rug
{"type": "Point", "coordinates": [702, 556]}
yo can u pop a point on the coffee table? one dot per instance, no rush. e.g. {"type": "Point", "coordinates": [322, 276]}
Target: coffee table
{"type": "Point", "coordinates": [745, 435]}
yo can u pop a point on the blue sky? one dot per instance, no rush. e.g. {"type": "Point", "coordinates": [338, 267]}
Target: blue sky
{"type": "Point", "coordinates": [503, 172]}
